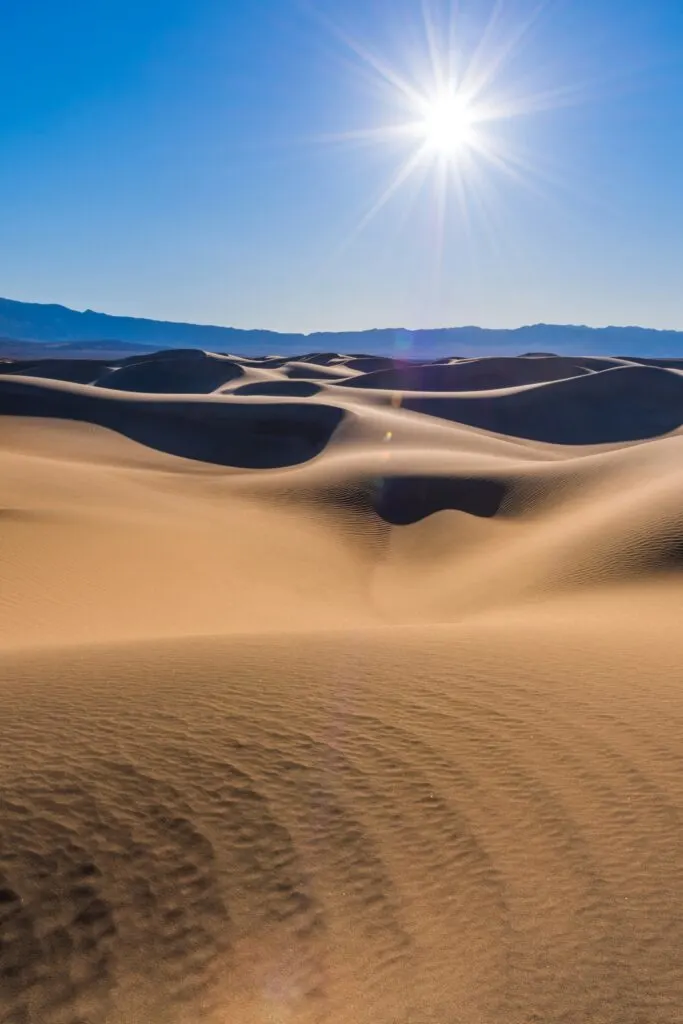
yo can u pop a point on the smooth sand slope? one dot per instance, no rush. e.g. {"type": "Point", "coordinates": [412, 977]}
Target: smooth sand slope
{"type": "Point", "coordinates": [348, 697]}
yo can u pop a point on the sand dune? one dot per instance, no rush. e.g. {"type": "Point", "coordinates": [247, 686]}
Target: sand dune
{"type": "Point", "coordinates": [174, 373]}
{"type": "Point", "coordinates": [471, 374]}
{"type": "Point", "coordinates": [624, 403]}
{"type": "Point", "coordinates": [228, 432]}
{"type": "Point", "coordinates": [332, 700]}
{"type": "Point", "coordinates": [78, 371]}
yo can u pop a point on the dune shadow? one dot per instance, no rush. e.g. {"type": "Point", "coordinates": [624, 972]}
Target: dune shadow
{"type": "Point", "coordinates": [197, 373]}
{"type": "Point", "coordinates": [284, 388]}
{"type": "Point", "coordinates": [299, 372]}
{"type": "Point", "coordinates": [403, 500]}
{"type": "Point", "coordinates": [258, 435]}
{"type": "Point", "coordinates": [612, 406]}
{"type": "Point", "coordinates": [469, 375]}
{"type": "Point", "coordinates": [76, 371]}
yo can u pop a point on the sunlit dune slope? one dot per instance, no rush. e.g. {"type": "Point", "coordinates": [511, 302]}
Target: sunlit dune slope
{"type": "Point", "coordinates": [347, 694]}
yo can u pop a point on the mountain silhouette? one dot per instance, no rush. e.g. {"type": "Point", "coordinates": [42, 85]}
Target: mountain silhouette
{"type": "Point", "coordinates": [70, 332]}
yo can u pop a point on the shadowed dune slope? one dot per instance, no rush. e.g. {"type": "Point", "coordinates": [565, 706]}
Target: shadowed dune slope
{"type": "Point", "coordinates": [175, 374]}
{"type": "Point", "coordinates": [340, 705]}
{"type": "Point", "coordinates": [626, 403]}
{"type": "Point", "coordinates": [254, 435]}
{"type": "Point", "coordinates": [471, 374]}
{"type": "Point", "coordinates": [78, 371]}
{"type": "Point", "coordinates": [296, 388]}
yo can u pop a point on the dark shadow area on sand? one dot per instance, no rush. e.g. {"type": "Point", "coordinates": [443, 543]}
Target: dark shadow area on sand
{"type": "Point", "coordinates": [77, 371]}
{"type": "Point", "coordinates": [197, 373]}
{"type": "Point", "coordinates": [284, 388]}
{"type": "Point", "coordinates": [628, 403]}
{"type": "Point", "coordinates": [402, 500]}
{"type": "Point", "coordinates": [469, 375]}
{"type": "Point", "coordinates": [244, 435]}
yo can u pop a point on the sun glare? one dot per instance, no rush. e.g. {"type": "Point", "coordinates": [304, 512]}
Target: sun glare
{"type": "Point", "coordinates": [449, 122]}
{"type": "Point", "coordinates": [448, 125]}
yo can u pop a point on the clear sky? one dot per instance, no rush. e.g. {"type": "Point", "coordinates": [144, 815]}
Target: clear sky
{"type": "Point", "coordinates": [228, 161]}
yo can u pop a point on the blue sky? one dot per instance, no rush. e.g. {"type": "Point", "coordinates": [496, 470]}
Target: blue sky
{"type": "Point", "coordinates": [187, 160]}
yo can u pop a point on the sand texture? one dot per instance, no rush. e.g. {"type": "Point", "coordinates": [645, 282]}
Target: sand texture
{"type": "Point", "coordinates": [340, 689]}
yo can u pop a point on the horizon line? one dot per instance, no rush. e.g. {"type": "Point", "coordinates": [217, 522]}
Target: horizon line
{"type": "Point", "coordinates": [358, 330]}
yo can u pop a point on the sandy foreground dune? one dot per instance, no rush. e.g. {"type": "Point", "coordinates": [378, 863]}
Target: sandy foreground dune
{"type": "Point", "coordinates": [334, 689]}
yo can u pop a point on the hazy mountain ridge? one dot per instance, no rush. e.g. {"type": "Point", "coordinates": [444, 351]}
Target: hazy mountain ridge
{"type": "Point", "coordinates": [74, 330]}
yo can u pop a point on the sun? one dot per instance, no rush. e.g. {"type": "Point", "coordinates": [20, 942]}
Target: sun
{"type": "Point", "coordinates": [450, 101]}
{"type": "Point", "coordinates": [448, 124]}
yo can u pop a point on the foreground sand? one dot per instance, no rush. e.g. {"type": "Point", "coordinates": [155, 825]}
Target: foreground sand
{"type": "Point", "coordinates": [360, 715]}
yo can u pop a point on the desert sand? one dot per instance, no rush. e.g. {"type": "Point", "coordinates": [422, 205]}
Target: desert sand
{"type": "Point", "coordinates": [336, 689]}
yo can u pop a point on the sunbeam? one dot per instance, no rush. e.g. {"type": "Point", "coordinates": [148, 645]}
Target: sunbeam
{"type": "Point", "coordinates": [452, 114]}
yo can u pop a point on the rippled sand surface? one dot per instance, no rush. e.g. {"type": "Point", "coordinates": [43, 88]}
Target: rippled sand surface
{"type": "Point", "coordinates": [340, 690]}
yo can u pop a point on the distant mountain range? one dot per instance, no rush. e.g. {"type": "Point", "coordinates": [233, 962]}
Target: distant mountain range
{"type": "Point", "coordinates": [69, 332]}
